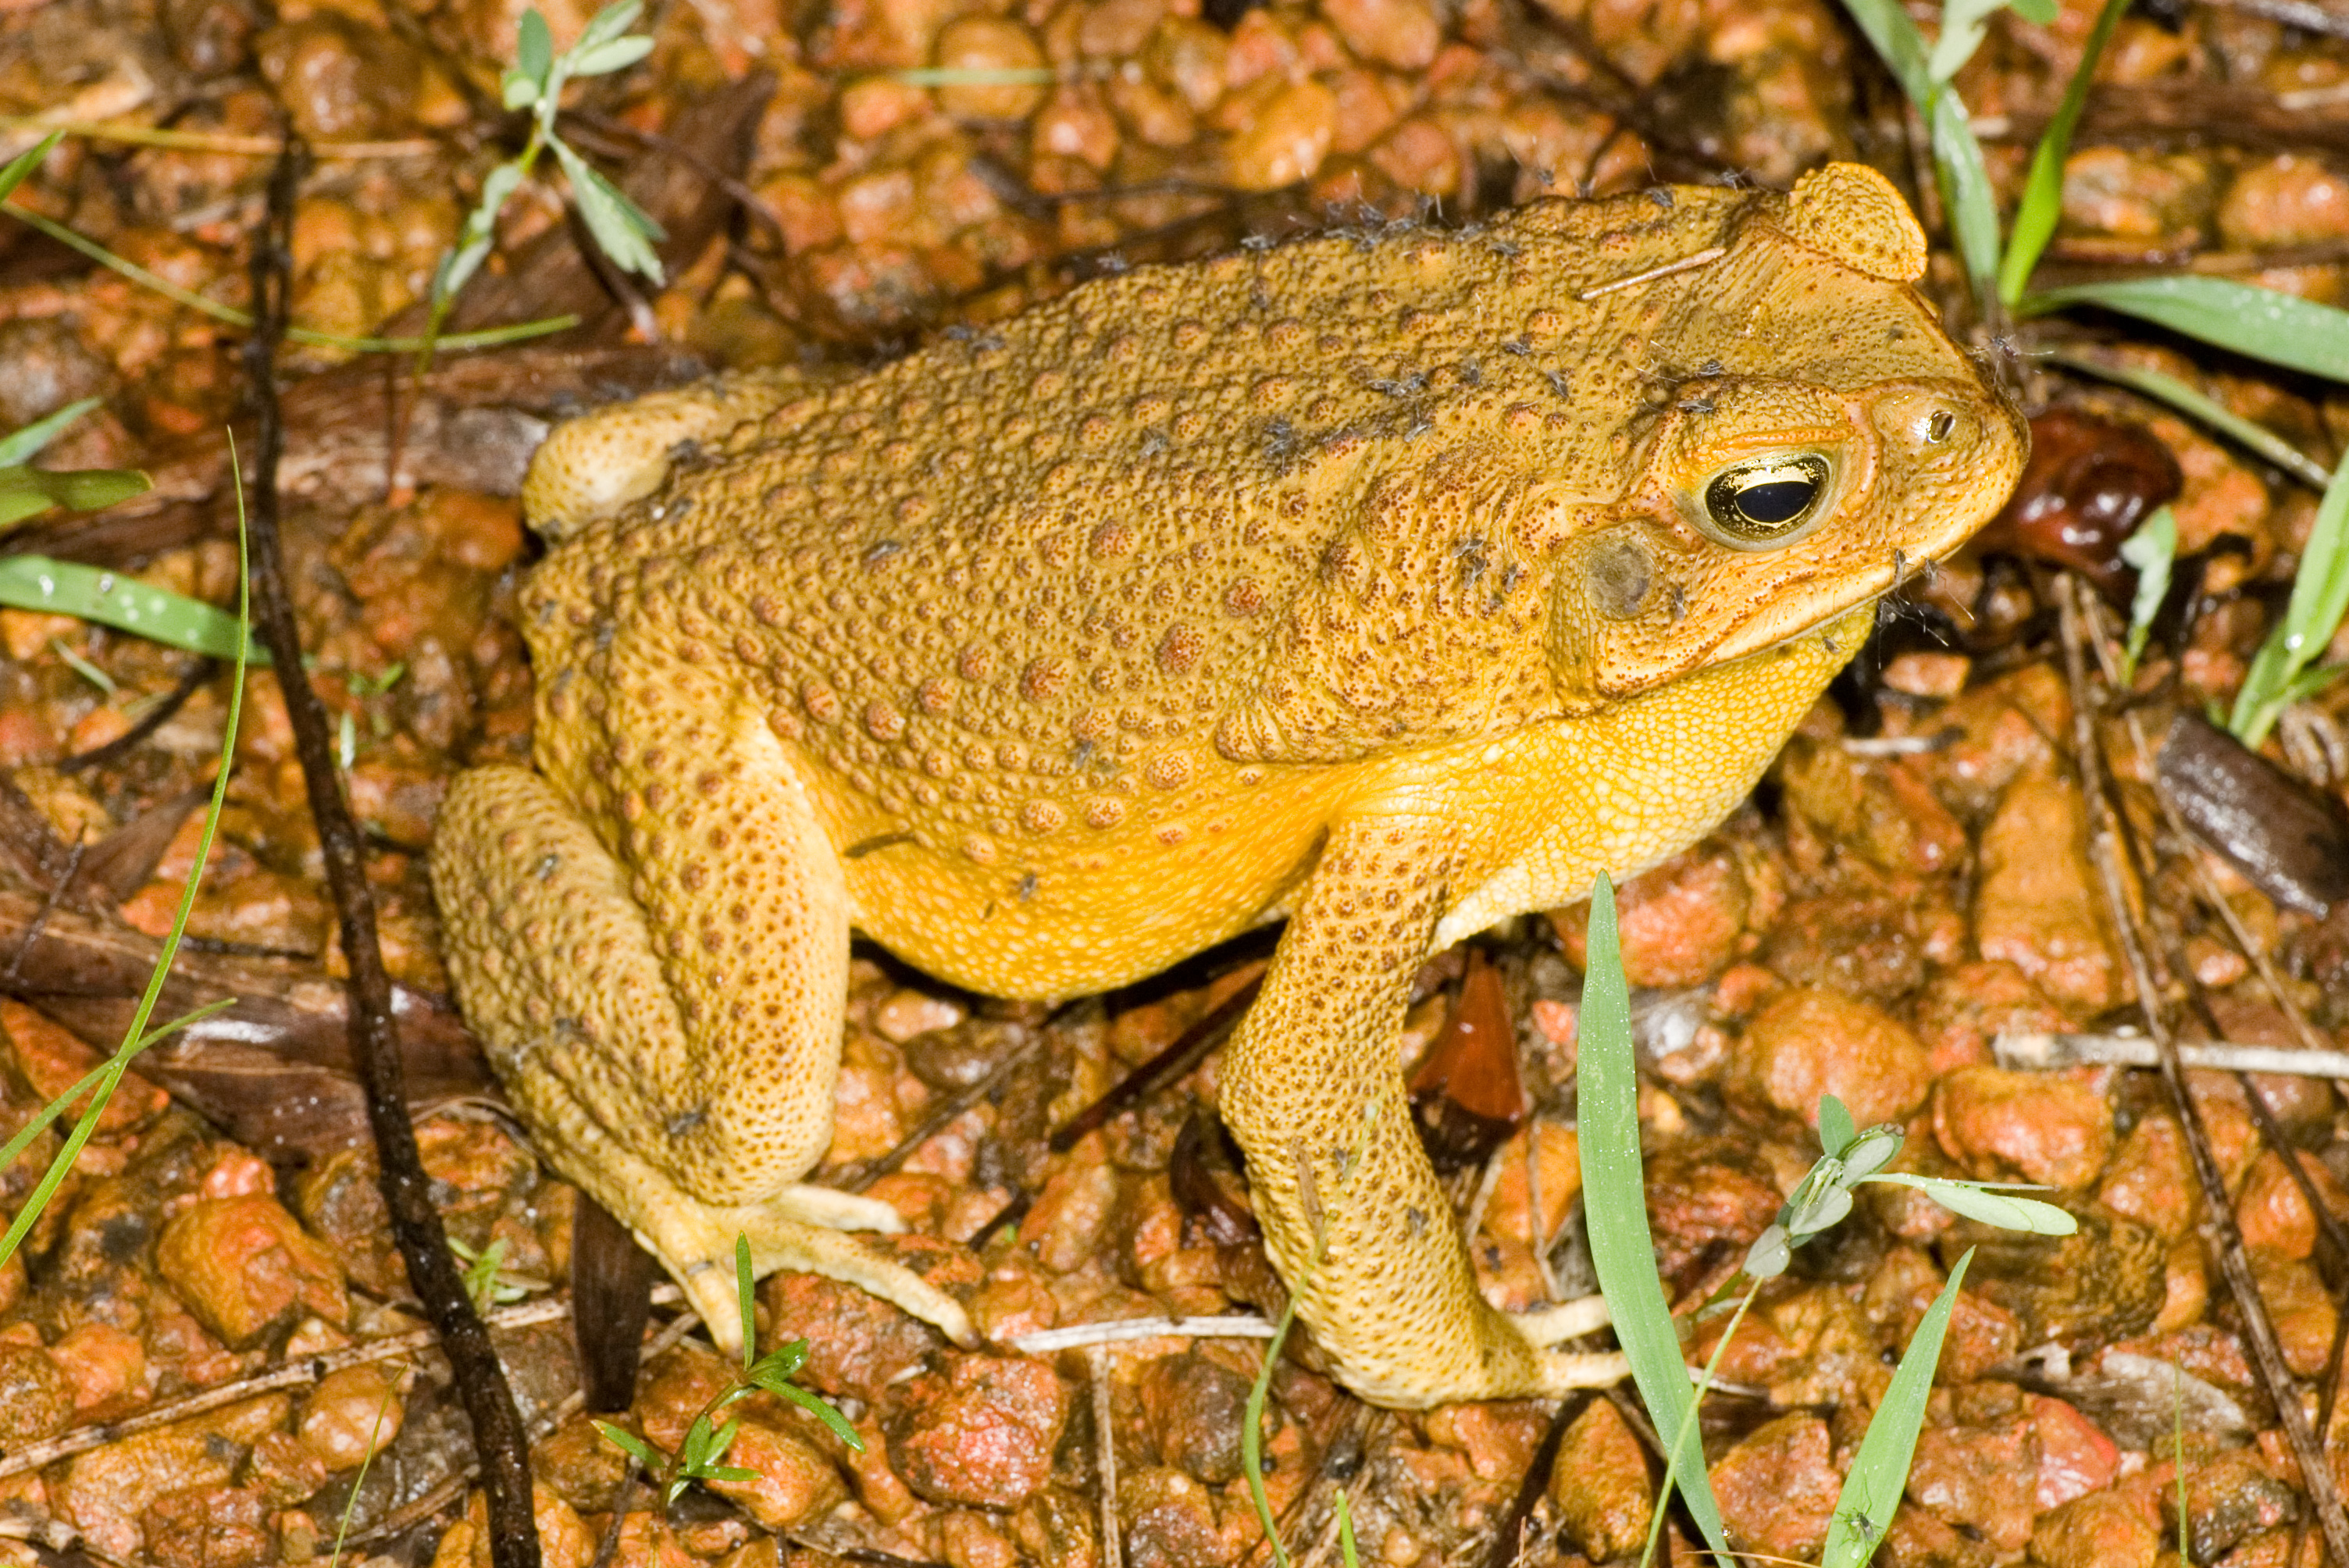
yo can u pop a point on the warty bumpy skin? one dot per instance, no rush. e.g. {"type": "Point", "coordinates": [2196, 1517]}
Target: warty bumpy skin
{"type": "Point", "coordinates": [1392, 581]}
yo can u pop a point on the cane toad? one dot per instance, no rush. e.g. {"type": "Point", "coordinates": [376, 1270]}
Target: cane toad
{"type": "Point", "coordinates": [1392, 581]}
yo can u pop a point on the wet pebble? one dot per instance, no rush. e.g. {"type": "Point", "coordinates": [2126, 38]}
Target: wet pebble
{"type": "Point", "coordinates": [1806, 1042]}
{"type": "Point", "coordinates": [2033, 1126]}
{"type": "Point", "coordinates": [980, 1433]}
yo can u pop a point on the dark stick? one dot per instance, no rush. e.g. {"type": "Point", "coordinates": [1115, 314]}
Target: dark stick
{"type": "Point", "coordinates": [2226, 1236]}
{"type": "Point", "coordinates": [375, 1039]}
{"type": "Point", "coordinates": [1509, 1539]}
{"type": "Point", "coordinates": [153, 719]}
{"type": "Point", "coordinates": [1189, 1050]}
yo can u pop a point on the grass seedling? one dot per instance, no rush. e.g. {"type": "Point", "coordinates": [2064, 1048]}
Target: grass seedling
{"type": "Point", "coordinates": [2279, 675]}
{"type": "Point", "coordinates": [100, 1082]}
{"type": "Point", "coordinates": [2266, 324]}
{"type": "Point", "coordinates": [27, 492]}
{"type": "Point", "coordinates": [1616, 1218]}
{"type": "Point", "coordinates": [486, 1281]}
{"type": "Point", "coordinates": [2151, 551]}
{"type": "Point", "coordinates": [621, 230]}
{"type": "Point", "coordinates": [700, 1458]}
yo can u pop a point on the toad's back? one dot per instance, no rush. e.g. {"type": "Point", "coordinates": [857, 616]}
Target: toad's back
{"type": "Point", "coordinates": [1091, 591]}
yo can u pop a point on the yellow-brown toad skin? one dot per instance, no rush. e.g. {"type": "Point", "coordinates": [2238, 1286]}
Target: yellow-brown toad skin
{"type": "Point", "coordinates": [1367, 580]}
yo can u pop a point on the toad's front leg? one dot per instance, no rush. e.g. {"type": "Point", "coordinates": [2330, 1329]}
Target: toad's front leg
{"type": "Point", "coordinates": [1353, 1213]}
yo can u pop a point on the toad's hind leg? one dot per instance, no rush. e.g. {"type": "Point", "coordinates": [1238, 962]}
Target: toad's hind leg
{"type": "Point", "coordinates": [685, 1093]}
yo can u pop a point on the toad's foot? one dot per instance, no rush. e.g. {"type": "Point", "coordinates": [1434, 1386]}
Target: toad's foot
{"type": "Point", "coordinates": [798, 1228]}
{"type": "Point", "coordinates": [1569, 1320]}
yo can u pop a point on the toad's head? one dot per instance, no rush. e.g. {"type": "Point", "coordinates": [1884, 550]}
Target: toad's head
{"type": "Point", "coordinates": [1805, 435]}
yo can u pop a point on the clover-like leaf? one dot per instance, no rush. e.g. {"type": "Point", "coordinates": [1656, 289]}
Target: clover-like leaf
{"type": "Point", "coordinates": [1824, 1207]}
{"type": "Point", "coordinates": [607, 23]}
{"type": "Point", "coordinates": [613, 55]}
{"type": "Point", "coordinates": [1985, 1202]}
{"type": "Point", "coordinates": [1836, 1125]}
{"type": "Point", "coordinates": [621, 229]}
{"type": "Point", "coordinates": [1871, 1151]}
{"type": "Point", "coordinates": [534, 49]}
{"type": "Point", "coordinates": [1768, 1256]}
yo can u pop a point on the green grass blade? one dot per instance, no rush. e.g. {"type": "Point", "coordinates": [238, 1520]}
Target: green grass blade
{"type": "Point", "coordinates": [814, 1405]}
{"type": "Point", "coordinates": [2320, 597]}
{"type": "Point", "coordinates": [21, 445]}
{"type": "Point", "coordinates": [2043, 191]}
{"type": "Point", "coordinates": [1967, 193]}
{"type": "Point", "coordinates": [2161, 388]}
{"type": "Point", "coordinates": [1252, 1431]}
{"type": "Point", "coordinates": [113, 599]}
{"type": "Point", "coordinates": [1976, 1201]}
{"type": "Point", "coordinates": [1614, 1210]}
{"type": "Point", "coordinates": [1879, 1473]}
{"type": "Point", "coordinates": [24, 162]}
{"type": "Point", "coordinates": [2263, 323]}
{"type": "Point", "coordinates": [135, 1038]}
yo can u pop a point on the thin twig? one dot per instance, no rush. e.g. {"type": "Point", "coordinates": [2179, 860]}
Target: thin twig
{"type": "Point", "coordinates": [2234, 1261]}
{"type": "Point", "coordinates": [1189, 1050]}
{"type": "Point", "coordinates": [1119, 1331]}
{"type": "Point", "coordinates": [2035, 1052]}
{"type": "Point", "coordinates": [210, 141]}
{"type": "Point", "coordinates": [1105, 1451]}
{"type": "Point", "coordinates": [292, 1374]}
{"type": "Point", "coordinates": [961, 1101]}
{"type": "Point", "coordinates": [432, 1271]}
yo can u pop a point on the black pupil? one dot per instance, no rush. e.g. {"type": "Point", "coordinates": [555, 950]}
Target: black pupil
{"type": "Point", "coordinates": [1776, 502]}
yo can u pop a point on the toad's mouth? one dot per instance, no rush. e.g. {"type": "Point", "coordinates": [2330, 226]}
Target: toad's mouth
{"type": "Point", "coordinates": [1801, 609]}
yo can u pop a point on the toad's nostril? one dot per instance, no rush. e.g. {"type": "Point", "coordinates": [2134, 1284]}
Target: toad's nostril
{"type": "Point", "coordinates": [1938, 427]}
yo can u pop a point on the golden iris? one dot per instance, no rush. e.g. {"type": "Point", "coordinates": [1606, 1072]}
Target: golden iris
{"type": "Point", "coordinates": [1766, 502]}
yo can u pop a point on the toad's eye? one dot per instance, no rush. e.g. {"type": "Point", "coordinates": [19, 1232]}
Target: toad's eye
{"type": "Point", "coordinates": [1765, 503]}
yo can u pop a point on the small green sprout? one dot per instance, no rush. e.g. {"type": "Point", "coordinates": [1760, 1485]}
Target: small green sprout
{"type": "Point", "coordinates": [486, 1281]}
{"type": "Point", "coordinates": [622, 230]}
{"type": "Point", "coordinates": [2150, 550]}
{"type": "Point", "coordinates": [27, 492]}
{"type": "Point", "coordinates": [1616, 1221]}
{"type": "Point", "coordinates": [700, 1458]}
